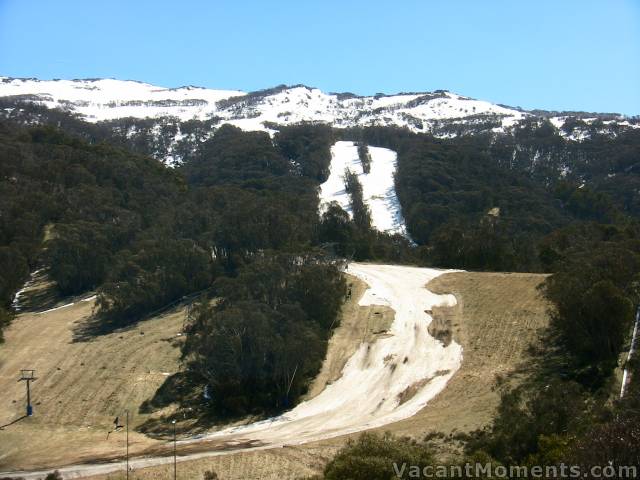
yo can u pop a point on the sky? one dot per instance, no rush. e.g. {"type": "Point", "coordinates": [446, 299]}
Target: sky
{"type": "Point", "coordinates": [554, 55]}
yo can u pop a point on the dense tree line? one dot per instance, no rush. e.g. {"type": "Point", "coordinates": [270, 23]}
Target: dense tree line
{"type": "Point", "coordinates": [151, 275]}
{"type": "Point", "coordinates": [258, 348]}
{"type": "Point", "coordinates": [359, 209]}
{"type": "Point", "coordinates": [339, 234]}
{"type": "Point", "coordinates": [364, 156]}
{"type": "Point", "coordinates": [144, 236]}
{"type": "Point", "coordinates": [308, 147]}
{"type": "Point", "coordinates": [469, 210]}
{"type": "Point", "coordinates": [165, 139]}
{"type": "Point", "coordinates": [595, 291]}
{"type": "Point", "coordinates": [95, 198]}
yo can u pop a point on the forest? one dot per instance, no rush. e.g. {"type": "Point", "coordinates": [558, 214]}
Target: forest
{"type": "Point", "coordinates": [489, 206]}
{"type": "Point", "coordinates": [143, 236]}
{"type": "Point", "coordinates": [237, 226]}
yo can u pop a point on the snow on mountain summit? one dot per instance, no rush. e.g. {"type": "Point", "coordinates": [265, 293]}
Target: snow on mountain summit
{"type": "Point", "coordinates": [107, 99]}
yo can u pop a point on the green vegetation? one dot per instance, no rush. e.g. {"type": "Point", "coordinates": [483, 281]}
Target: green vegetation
{"type": "Point", "coordinates": [259, 347]}
{"type": "Point", "coordinates": [98, 198]}
{"type": "Point", "coordinates": [143, 237]}
{"type": "Point", "coordinates": [361, 213]}
{"type": "Point", "coordinates": [372, 457]}
{"type": "Point", "coordinates": [308, 147]}
{"type": "Point", "coordinates": [364, 156]}
{"type": "Point", "coordinates": [595, 291]}
{"type": "Point", "coordinates": [154, 274]}
{"type": "Point", "coordinates": [238, 221]}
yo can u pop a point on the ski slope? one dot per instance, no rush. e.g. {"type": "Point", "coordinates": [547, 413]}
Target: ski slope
{"type": "Point", "coordinates": [383, 382]}
{"type": "Point", "coordinates": [378, 189]}
{"type": "Point", "coordinates": [368, 393]}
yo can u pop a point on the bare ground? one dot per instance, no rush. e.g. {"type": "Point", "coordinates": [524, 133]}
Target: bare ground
{"type": "Point", "coordinates": [498, 316]}
{"type": "Point", "coordinates": [357, 325]}
{"type": "Point", "coordinates": [82, 386]}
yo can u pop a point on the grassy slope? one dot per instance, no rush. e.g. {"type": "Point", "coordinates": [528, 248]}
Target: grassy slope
{"type": "Point", "coordinates": [82, 385]}
{"type": "Point", "coordinates": [497, 317]}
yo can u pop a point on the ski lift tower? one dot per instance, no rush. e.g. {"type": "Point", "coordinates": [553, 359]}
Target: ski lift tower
{"type": "Point", "coordinates": [28, 376]}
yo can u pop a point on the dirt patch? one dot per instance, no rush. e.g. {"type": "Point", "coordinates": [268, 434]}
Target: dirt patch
{"type": "Point", "coordinates": [81, 386]}
{"type": "Point", "coordinates": [357, 325]}
{"type": "Point", "coordinates": [441, 327]}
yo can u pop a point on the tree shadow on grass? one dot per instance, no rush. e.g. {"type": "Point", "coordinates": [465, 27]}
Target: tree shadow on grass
{"type": "Point", "coordinates": [98, 325]}
{"type": "Point", "coordinates": [194, 414]}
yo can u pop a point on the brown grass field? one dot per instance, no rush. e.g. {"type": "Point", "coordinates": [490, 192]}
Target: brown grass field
{"type": "Point", "coordinates": [82, 386]}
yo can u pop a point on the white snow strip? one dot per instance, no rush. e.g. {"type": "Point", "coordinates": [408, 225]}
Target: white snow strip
{"type": "Point", "coordinates": [344, 155]}
{"type": "Point", "coordinates": [379, 192]}
{"type": "Point", "coordinates": [378, 189]}
{"type": "Point", "coordinates": [368, 393]}
{"type": "Point", "coordinates": [87, 299]}
{"type": "Point", "coordinates": [15, 303]}
{"type": "Point", "coordinates": [57, 308]}
{"type": "Point", "coordinates": [625, 373]}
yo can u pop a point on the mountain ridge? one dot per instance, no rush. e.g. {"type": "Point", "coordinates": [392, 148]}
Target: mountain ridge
{"type": "Point", "coordinates": [168, 114]}
{"type": "Point", "coordinates": [107, 99]}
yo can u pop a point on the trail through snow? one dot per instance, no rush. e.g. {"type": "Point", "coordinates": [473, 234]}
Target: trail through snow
{"type": "Point", "coordinates": [368, 393]}
{"type": "Point", "coordinates": [378, 189]}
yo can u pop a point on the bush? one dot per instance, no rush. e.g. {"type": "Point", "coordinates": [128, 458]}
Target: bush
{"type": "Point", "coordinates": [372, 457]}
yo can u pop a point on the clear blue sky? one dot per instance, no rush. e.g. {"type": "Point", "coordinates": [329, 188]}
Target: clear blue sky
{"type": "Point", "coordinates": [559, 54]}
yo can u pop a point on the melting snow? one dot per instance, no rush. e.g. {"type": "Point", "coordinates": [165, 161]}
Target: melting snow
{"type": "Point", "coordinates": [378, 375]}
{"type": "Point", "coordinates": [378, 188]}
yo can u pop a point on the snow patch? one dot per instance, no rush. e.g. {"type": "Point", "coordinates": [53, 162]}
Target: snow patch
{"type": "Point", "coordinates": [107, 99]}
{"type": "Point", "coordinates": [374, 380]}
{"type": "Point", "coordinates": [378, 189]}
{"type": "Point", "coordinates": [15, 303]}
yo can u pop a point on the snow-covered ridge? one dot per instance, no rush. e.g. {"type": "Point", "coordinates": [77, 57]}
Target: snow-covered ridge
{"type": "Point", "coordinates": [108, 99]}
{"type": "Point", "coordinates": [378, 188]}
